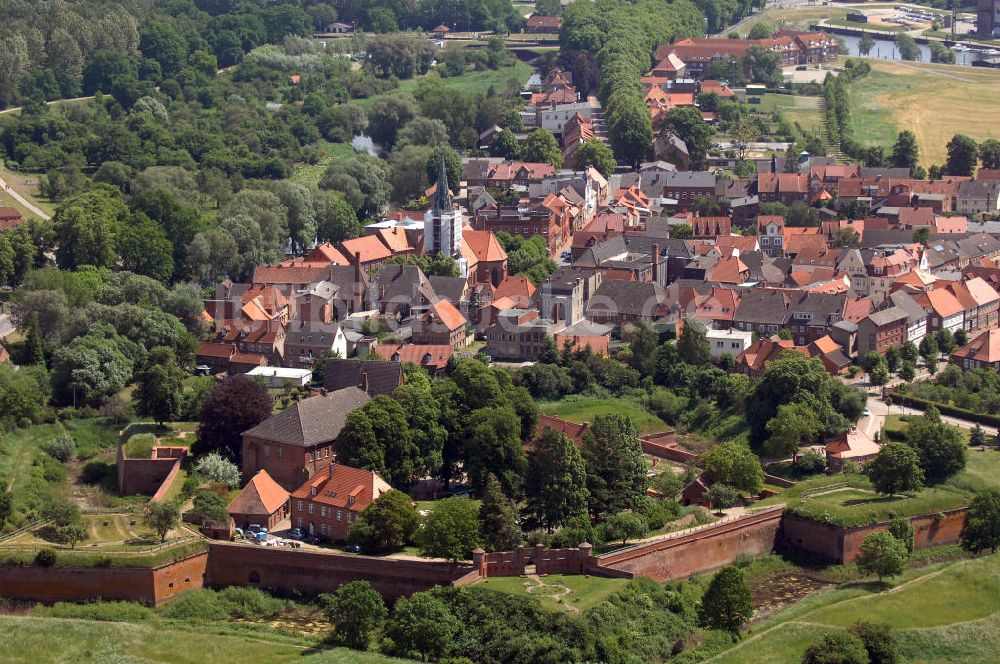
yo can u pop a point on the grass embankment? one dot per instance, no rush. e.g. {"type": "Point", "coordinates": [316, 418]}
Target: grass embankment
{"type": "Point", "coordinates": [943, 613]}
{"type": "Point", "coordinates": [849, 500]}
{"type": "Point", "coordinates": [26, 184]}
{"type": "Point", "coordinates": [56, 640]}
{"type": "Point", "coordinates": [579, 409]}
{"type": "Point", "coordinates": [562, 592]}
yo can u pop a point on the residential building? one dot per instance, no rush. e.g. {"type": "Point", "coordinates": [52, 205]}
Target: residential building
{"type": "Point", "coordinates": [402, 289]}
{"type": "Point", "coordinates": [262, 502]}
{"type": "Point", "coordinates": [441, 324]}
{"type": "Point", "coordinates": [565, 294]}
{"type": "Point", "coordinates": [544, 24]}
{"type": "Point", "coordinates": [617, 302]}
{"type": "Point", "coordinates": [433, 358]}
{"type": "Point", "coordinates": [978, 196]}
{"type": "Point", "coordinates": [372, 376]}
{"type": "Point", "coordinates": [731, 342]}
{"type": "Point", "coordinates": [785, 188]}
{"type": "Point", "coordinates": [518, 335]}
{"type": "Point", "coordinates": [944, 311]}
{"type": "Point", "coordinates": [328, 503]}
{"type": "Point", "coordinates": [296, 443]}
{"type": "Point", "coordinates": [882, 329]}
{"type": "Point", "coordinates": [686, 187]}
{"type": "Point", "coordinates": [306, 341]}
{"type": "Point", "coordinates": [852, 446]}
{"type": "Point", "coordinates": [770, 234]}
{"type": "Point", "coordinates": [764, 311]}
{"type": "Point", "coordinates": [982, 352]}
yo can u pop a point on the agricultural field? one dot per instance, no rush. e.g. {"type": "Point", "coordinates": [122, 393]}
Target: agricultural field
{"type": "Point", "coordinates": [55, 640]}
{"type": "Point", "coordinates": [583, 409]}
{"type": "Point", "coordinates": [943, 613]}
{"type": "Point", "coordinates": [933, 101]}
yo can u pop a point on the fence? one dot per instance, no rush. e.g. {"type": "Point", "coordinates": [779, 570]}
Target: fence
{"type": "Point", "coordinates": [97, 549]}
{"type": "Point", "coordinates": [687, 532]}
{"type": "Point", "coordinates": [21, 530]}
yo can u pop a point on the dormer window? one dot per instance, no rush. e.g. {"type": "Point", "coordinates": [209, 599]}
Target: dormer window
{"type": "Point", "coordinates": [312, 491]}
{"type": "Point", "coordinates": [350, 500]}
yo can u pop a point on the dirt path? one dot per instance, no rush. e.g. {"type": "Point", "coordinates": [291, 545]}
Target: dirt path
{"type": "Point", "coordinates": [566, 592]}
{"type": "Point", "coordinates": [800, 621]}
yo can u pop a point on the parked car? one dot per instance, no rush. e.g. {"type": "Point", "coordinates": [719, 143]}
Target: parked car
{"type": "Point", "coordinates": [296, 533]}
{"type": "Point", "coordinates": [352, 548]}
{"type": "Point", "coordinates": [257, 528]}
{"type": "Point", "coordinates": [311, 540]}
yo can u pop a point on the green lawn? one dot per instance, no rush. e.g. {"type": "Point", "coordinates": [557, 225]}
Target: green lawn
{"type": "Point", "coordinates": [583, 409]}
{"type": "Point", "coordinates": [943, 613]}
{"type": "Point", "coordinates": [310, 174]}
{"type": "Point", "coordinates": [473, 81]}
{"type": "Point", "coordinates": [54, 640]}
{"type": "Point", "coordinates": [584, 591]}
{"type": "Point", "coordinates": [19, 447]}
{"type": "Point", "coordinates": [859, 505]}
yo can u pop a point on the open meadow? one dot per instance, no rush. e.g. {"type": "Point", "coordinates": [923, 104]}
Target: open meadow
{"type": "Point", "coordinates": [942, 613]}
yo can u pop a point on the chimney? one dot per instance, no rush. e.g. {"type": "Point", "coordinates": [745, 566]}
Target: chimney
{"type": "Point", "coordinates": [656, 263]}
{"type": "Point", "coordinates": [358, 283]}
{"type": "Point", "coordinates": [364, 381]}
{"type": "Point", "coordinates": [333, 464]}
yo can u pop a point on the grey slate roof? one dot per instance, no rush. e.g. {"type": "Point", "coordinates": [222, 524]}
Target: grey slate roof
{"type": "Point", "coordinates": [381, 376]}
{"type": "Point", "coordinates": [450, 288]}
{"type": "Point", "coordinates": [311, 421]}
{"type": "Point", "coordinates": [887, 316]}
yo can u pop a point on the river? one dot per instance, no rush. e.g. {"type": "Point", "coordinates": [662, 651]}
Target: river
{"type": "Point", "coordinates": [885, 49]}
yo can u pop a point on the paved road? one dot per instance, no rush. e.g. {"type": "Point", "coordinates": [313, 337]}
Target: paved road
{"type": "Point", "coordinates": [879, 409]}
{"type": "Point", "coordinates": [6, 188]}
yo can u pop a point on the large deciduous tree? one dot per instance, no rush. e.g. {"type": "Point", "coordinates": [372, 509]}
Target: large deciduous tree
{"type": "Point", "coordinates": [726, 603]}
{"type": "Point", "coordinates": [963, 155]}
{"type": "Point", "coordinates": [982, 522]}
{"type": "Point", "coordinates": [734, 464]}
{"type": "Point", "coordinates": [451, 530]}
{"type": "Point", "coordinates": [356, 611]}
{"type": "Point", "coordinates": [882, 554]}
{"type": "Point", "coordinates": [235, 405]}
{"type": "Point", "coordinates": [387, 524]}
{"type": "Point", "coordinates": [896, 469]}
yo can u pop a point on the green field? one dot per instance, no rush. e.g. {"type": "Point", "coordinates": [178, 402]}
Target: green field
{"type": "Point", "coordinates": [570, 593]}
{"type": "Point", "coordinates": [944, 613]}
{"type": "Point", "coordinates": [473, 81]}
{"type": "Point", "coordinates": [849, 500]}
{"type": "Point", "coordinates": [583, 409]}
{"type": "Point", "coordinates": [933, 101]}
{"type": "Point", "coordinates": [54, 640]}
{"type": "Point", "coordinates": [310, 174]}
{"type": "Point", "coordinates": [804, 111]}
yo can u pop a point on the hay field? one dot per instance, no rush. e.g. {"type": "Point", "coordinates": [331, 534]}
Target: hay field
{"type": "Point", "coordinates": [933, 101]}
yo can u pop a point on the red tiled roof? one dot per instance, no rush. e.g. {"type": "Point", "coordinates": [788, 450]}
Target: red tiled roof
{"type": "Point", "coordinates": [485, 246]}
{"type": "Point", "coordinates": [338, 485]}
{"type": "Point", "coordinates": [210, 349]}
{"type": "Point", "coordinates": [369, 246]}
{"type": "Point", "coordinates": [518, 288]}
{"type": "Point", "coordinates": [984, 348]}
{"type": "Point", "coordinates": [426, 355]}
{"type": "Point", "coordinates": [261, 495]}
{"type": "Point", "coordinates": [446, 312]}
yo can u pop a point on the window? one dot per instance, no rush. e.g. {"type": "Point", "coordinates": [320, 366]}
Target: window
{"type": "Point", "coordinates": [350, 500]}
{"type": "Point", "coordinates": [322, 529]}
{"type": "Point", "coordinates": [300, 519]}
{"type": "Point", "coordinates": [310, 508]}
{"type": "Point", "coordinates": [326, 453]}
{"type": "Point", "coordinates": [267, 450]}
{"type": "Point", "coordinates": [299, 505]}
{"type": "Point", "coordinates": [312, 492]}
{"type": "Point", "coordinates": [281, 451]}
{"type": "Point", "coordinates": [338, 515]}
{"type": "Point", "coordinates": [322, 510]}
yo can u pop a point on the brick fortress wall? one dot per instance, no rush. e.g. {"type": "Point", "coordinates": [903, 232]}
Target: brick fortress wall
{"type": "Point", "coordinates": [841, 545]}
{"type": "Point", "coordinates": [150, 586]}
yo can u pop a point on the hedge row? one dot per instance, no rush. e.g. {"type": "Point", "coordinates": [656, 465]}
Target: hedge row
{"type": "Point", "coordinates": [946, 409]}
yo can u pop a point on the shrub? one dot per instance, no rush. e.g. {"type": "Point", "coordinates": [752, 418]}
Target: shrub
{"type": "Point", "coordinates": [105, 611]}
{"type": "Point", "coordinates": [196, 605]}
{"type": "Point", "coordinates": [62, 448]}
{"type": "Point", "coordinates": [213, 467]}
{"type": "Point", "coordinates": [95, 472]}
{"type": "Point", "coordinates": [810, 463]}
{"type": "Point", "coordinates": [659, 513]}
{"type": "Point", "coordinates": [45, 558]}
{"type": "Point", "coordinates": [250, 603]}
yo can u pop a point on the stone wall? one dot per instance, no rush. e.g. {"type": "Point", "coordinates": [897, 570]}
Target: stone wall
{"type": "Point", "coordinates": [841, 545]}
{"type": "Point", "coordinates": [234, 564]}
{"type": "Point", "coordinates": [546, 561]}
{"type": "Point", "coordinates": [147, 476]}
{"type": "Point", "coordinates": [150, 586]}
{"type": "Point", "coordinates": [703, 550]}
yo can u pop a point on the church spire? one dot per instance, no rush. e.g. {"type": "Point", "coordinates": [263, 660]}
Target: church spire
{"type": "Point", "coordinates": [442, 197]}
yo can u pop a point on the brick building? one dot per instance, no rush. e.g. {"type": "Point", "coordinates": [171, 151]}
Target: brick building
{"type": "Point", "coordinates": [262, 501]}
{"type": "Point", "coordinates": [329, 502]}
{"type": "Point", "coordinates": [295, 444]}
{"type": "Point", "coordinates": [880, 330]}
